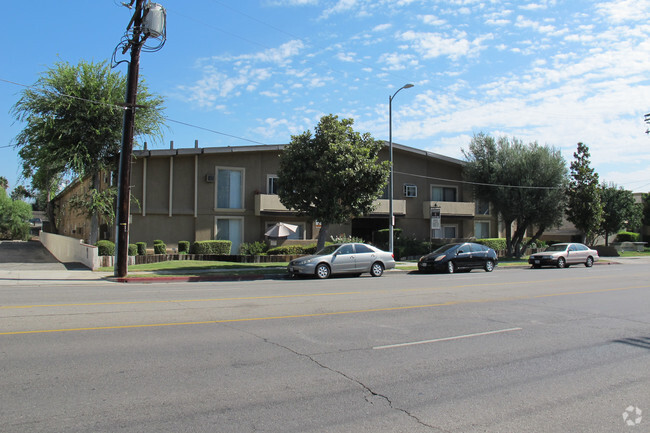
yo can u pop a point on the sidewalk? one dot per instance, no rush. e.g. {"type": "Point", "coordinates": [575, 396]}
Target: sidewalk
{"type": "Point", "coordinates": [25, 274]}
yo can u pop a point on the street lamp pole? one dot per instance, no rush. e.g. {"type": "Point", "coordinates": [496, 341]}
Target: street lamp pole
{"type": "Point", "coordinates": [391, 221]}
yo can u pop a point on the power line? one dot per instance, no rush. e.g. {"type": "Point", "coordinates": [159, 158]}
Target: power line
{"type": "Point", "coordinates": [122, 107]}
{"type": "Point", "coordinates": [481, 184]}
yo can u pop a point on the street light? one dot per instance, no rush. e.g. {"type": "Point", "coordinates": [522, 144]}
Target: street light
{"type": "Point", "coordinates": [391, 221]}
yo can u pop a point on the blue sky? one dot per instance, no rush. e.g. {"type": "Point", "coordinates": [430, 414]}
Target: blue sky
{"type": "Point", "coordinates": [552, 71]}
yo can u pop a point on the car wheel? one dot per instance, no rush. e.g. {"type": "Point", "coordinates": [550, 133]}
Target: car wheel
{"type": "Point", "coordinates": [377, 269]}
{"type": "Point", "coordinates": [489, 266]}
{"type": "Point", "coordinates": [451, 268]}
{"type": "Point", "coordinates": [323, 271]}
{"type": "Point", "coordinates": [561, 263]}
{"type": "Point", "coordinates": [537, 266]}
{"type": "Point", "coordinates": [590, 262]}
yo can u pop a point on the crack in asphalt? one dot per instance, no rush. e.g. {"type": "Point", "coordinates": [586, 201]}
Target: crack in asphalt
{"type": "Point", "coordinates": [351, 379]}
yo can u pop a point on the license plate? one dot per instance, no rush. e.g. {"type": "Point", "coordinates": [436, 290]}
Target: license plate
{"type": "Point", "coordinates": [537, 262]}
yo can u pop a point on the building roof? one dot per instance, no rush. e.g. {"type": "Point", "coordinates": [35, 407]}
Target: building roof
{"type": "Point", "coordinates": [276, 147]}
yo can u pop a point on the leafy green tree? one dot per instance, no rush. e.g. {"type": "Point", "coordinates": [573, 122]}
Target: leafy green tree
{"type": "Point", "coordinates": [73, 124]}
{"type": "Point", "coordinates": [14, 217]}
{"type": "Point", "coordinates": [4, 183]}
{"type": "Point", "coordinates": [333, 175]}
{"type": "Point", "coordinates": [584, 207]}
{"type": "Point", "coordinates": [525, 183]}
{"type": "Point", "coordinates": [20, 193]}
{"type": "Point", "coordinates": [620, 210]}
{"type": "Point", "coordinates": [645, 201]}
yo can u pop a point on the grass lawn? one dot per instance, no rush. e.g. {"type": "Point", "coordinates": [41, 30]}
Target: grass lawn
{"type": "Point", "coordinates": [645, 253]}
{"type": "Point", "coordinates": [201, 267]}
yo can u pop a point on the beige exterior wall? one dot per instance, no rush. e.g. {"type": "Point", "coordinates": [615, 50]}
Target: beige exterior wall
{"type": "Point", "coordinates": [175, 196]}
{"type": "Point", "coordinates": [194, 182]}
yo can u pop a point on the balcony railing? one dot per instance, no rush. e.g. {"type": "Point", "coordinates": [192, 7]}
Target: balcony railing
{"type": "Point", "coordinates": [271, 203]}
{"type": "Point", "coordinates": [450, 208]}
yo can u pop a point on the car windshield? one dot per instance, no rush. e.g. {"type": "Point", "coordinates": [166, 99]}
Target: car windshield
{"type": "Point", "coordinates": [557, 247]}
{"type": "Point", "coordinates": [445, 248]}
{"type": "Point", "coordinates": [328, 250]}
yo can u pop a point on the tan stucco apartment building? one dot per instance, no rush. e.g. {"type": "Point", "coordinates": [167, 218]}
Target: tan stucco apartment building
{"type": "Point", "coordinates": [230, 193]}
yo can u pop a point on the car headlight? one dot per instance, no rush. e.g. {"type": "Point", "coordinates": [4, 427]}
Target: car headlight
{"type": "Point", "coordinates": [439, 258]}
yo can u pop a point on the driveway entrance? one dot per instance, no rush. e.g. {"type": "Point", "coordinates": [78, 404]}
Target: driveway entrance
{"type": "Point", "coordinates": [31, 255]}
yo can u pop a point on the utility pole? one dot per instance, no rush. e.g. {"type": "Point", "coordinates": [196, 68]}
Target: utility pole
{"type": "Point", "coordinates": [140, 33]}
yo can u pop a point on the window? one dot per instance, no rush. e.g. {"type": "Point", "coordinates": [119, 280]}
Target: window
{"type": "Point", "coordinates": [482, 207]}
{"type": "Point", "coordinates": [360, 248]}
{"type": "Point", "coordinates": [272, 184]}
{"type": "Point", "coordinates": [230, 229]}
{"type": "Point", "coordinates": [229, 188]}
{"type": "Point", "coordinates": [410, 190]}
{"type": "Point", "coordinates": [446, 232]}
{"type": "Point", "coordinates": [346, 249]}
{"type": "Point", "coordinates": [443, 193]}
{"type": "Point", "coordinates": [481, 229]}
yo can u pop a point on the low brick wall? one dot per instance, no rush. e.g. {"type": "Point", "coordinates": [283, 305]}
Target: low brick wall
{"type": "Point", "coordinates": [156, 258]}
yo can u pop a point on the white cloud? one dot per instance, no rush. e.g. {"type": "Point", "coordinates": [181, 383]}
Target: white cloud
{"type": "Point", "coordinates": [340, 7]}
{"type": "Point", "coordinates": [432, 45]}
{"type": "Point", "coordinates": [619, 11]}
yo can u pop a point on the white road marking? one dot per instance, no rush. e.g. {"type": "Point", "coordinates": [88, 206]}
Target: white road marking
{"type": "Point", "coordinates": [458, 337]}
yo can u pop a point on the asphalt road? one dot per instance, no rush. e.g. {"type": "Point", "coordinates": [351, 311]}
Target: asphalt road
{"type": "Point", "coordinates": [552, 350]}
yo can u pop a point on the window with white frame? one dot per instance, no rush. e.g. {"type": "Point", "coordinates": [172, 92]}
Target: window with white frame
{"type": "Point", "coordinates": [444, 193]}
{"type": "Point", "coordinates": [410, 190]}
{"type": "Point", "coordinates": [445, 232]}
{"type": "Point", "coordinates": [272, 184]}
{"type": "Point", "coordinates": [482, 229]}
{"type": "Point", "coordinates": [230, 188]}
{"type": "Point", "coordinates": [230, 229]}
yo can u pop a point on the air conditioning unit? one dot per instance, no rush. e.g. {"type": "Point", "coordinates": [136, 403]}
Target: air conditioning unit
{"type": "Point", "coordinates": [410, 190]}
{"type": "Point", "coordinates": [209, 178]}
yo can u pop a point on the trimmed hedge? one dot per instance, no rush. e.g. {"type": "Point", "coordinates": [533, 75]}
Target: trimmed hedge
{"type": "Point", "coordinates": [497, 244]}
{"type": "Point", "coordinates": [211, 247]}
{"type": "Point", "coordinates": [158, 241]}
{"type": "Point", "coordinates": [183, 247]}
{"type": "Point", "coordinates": [142, 248]}
{"type": "Point", "coordinates": [159, 248]}
{"type": "Point", "coordinates": [289, 250]}
{"type": "Point", "coordinates": [133, 250]}
{"type": "Point", "coordinates": [628, 237]}
{"type": "Point", "coordinates": [105, 248]}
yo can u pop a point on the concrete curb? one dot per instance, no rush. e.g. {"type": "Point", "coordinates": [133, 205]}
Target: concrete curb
{"type": "Point", "coordinates": [257, 277]}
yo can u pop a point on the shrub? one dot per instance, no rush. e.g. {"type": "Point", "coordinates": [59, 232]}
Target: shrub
{"type": "Point", "coordinates": [627, 237]}
{"type": "Point", "coordinates": [344, 239]}
{"type": "Point", "coordinates": [411, 247]}
{"type": "Point", "coordinates": [183, 247]}
{"type": "Point", "coordinates": [537, 244]}
{"type": "Point", "coordinates": [211, 247]}
{"type": "Point", "coordinates": [159, 248]}
{"type": "Point", "coordinates": [105, 248]}
{"type": "Point", "coordinates": [253, 249]}
{"type": "Point", "coordinates": [497, 244]}
{"type": "Point", "coordinates": [133, 249]}
{"type": "Point", "coordinates": [287, 250]}
{"type": "Point", "coordinates": [158, 241]}
{"type": "Point", "coordinates": [142, 248]}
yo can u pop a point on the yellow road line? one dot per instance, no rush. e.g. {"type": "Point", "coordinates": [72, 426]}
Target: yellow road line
{"type": "Point", "coordinates": [333, 313]}
{"type": "Point", "coordinates": [305, 295]}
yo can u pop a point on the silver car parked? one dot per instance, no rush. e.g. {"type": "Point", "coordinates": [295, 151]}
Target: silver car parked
{"type": "Point", "coordinates": [353, 258]}
{"type": "Point", "coordinates": [564, 255]}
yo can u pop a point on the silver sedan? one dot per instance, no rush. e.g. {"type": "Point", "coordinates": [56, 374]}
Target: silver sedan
{"type": "Point", "coordinates": [353, 258]}
{"type": "Point", "coordinates": [564, 255]}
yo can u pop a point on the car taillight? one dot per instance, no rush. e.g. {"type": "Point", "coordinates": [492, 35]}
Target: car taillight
{"type": "Point", "coordinates": [393, 256]}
